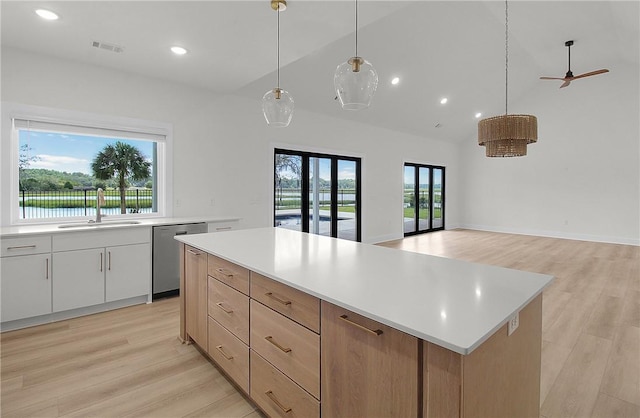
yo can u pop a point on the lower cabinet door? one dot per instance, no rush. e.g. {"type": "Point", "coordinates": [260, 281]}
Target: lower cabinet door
{"type": "Point", "coordinates": [277, 395]}
{"type": "Point", "coordinates": [25, 286]}
{"type": "Point", "coordinates": [128, 271]}
{"type": "Point", "coordinates": [78, 279]}
{"type": "Point", "coordinates": [368, 369]}
{"type": "Point", "coordinates": [231, 354]}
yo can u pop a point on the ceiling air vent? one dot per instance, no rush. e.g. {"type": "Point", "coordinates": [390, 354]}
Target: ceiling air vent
{"type": "Point", "coordinates": [107, 47]}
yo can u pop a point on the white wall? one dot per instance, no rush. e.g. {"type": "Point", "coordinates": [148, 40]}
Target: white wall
{"type": "Point", "coordinates": [581, 180]}
{"type": "Point", "coordinates": [223, 150]}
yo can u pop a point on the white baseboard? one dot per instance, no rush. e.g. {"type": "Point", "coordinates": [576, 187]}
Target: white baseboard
{"type": "Point", "coordinates": [555, 234]}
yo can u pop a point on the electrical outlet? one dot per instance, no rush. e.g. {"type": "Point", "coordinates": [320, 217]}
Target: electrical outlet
{"type": "Point", "coordinates": [514, 322]}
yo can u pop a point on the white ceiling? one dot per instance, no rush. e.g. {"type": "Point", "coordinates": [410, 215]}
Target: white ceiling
{"type": "Point", "coordinates": [438, 49]}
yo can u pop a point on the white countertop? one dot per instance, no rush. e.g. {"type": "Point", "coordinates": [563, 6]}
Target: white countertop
{"type": "Point", "coordinates": [54, 228]}
{"type": "Point", "coordinates": [452, 303]}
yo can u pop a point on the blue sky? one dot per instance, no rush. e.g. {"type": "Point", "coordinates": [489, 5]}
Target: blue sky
{"type": "Point", "coordinates": [69, 152]}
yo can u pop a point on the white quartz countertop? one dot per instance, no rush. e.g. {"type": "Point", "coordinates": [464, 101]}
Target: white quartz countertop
{"type": "Point", "coordinates": [452, 303]}
{"type": "Point", "coordinates": [54, 228]}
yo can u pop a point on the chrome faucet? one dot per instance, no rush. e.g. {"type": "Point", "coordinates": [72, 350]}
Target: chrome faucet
{"type": "Point", "coordinates": [99, 203]}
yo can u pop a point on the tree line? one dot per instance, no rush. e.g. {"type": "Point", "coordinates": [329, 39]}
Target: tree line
{"type": "Point", "coordinates": [119, 163]}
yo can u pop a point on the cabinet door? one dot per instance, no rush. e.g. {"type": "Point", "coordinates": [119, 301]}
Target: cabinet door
{"type": "Point", "coordinates": [368, 369]}
{"type": "Point", "coordinates": [78, 279]}
{"type": "Point", "coordinates": [128, 271]}
{"type": "Point", "coordinates": [196, 295]}
{"type": "Point", "coordinates": [26, 286]}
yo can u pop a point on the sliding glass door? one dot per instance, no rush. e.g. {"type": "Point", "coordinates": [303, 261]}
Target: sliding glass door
{"type": "Point", "coordinates": [317, 193]}
{"type": "Point", "coordinates": [423, 198]}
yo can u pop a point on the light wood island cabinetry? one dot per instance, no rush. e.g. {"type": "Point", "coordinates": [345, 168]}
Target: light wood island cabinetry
{"type": "Point", "coordinates": [323, 340]}
{"type": "Point", "coordinates": [195, 273]}
{"type": "Point", "coordinates": [368, 369]}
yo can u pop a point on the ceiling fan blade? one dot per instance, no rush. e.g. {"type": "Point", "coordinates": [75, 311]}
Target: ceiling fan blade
{"type": "Point", "coordinates": [591, 73]}
{"type": "Point", "coordinates": [566, 82]}
{"type": "Point", "coordinates": [551, 78]}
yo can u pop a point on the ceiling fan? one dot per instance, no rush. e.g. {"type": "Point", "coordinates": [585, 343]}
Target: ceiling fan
{"type": "Point", "coordinates": [569, 77]}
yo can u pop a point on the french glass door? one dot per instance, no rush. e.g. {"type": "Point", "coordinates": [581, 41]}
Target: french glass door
{"type": "Point", "coordinates": [317, 193]}
{"type": "Point", "coordinates": [423, 209]}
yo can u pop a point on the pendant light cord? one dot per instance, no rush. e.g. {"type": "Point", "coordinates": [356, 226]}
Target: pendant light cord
{"type": "Point", "coordinates": [356, 28]}
{"type": "Point", "coordinates": [506, 57]}
{"type": "Point", "coordinates": [278, 52]}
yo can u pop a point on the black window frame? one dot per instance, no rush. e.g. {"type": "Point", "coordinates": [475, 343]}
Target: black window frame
{"type": "Point", "coordinates": [416, 193]}
{"type": "Point", "coordinates": [305, 156]}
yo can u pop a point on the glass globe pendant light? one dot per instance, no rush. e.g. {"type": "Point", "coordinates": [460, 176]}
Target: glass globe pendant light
{"type": "Point", "coordinates": [277, 104]}
{"type": "Point", "coordinates": [356, 80]}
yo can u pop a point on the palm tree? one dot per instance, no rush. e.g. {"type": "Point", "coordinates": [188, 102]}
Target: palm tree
{"type": "Point", "coordinates": [121, 161]}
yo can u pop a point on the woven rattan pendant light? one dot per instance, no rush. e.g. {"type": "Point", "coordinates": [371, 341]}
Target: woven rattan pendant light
{"type": "Point", "coordinates": [507, 135]}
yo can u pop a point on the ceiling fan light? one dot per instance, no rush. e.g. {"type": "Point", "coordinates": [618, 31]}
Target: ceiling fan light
{"type": "Point", "coordinates": [277, 106]}
{"type": "Point", "coordinates": [355, 82]}
{"type": "Point", "coordinates": [507, 135]}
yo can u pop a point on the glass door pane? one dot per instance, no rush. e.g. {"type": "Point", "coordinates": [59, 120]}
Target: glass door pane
{"type": "Point", "coordinates": [288, 191]}
{"type": "Point", "coordinates": [319, 210]}
{"type": "Point", "coordinates": [409, 199]}
{"type": "Point", "coordinates": [437, 198]}
{"type": "Point", "coordinates": [423, 198]}
{"type": "Point", "coordinates": [346, 200]}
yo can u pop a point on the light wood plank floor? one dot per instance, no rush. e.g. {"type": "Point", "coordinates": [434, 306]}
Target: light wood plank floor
{"type": "Point", "coordinates": [129, 362]}
{"type": "Point", "coordinates": [123, 363]}
{"type": "Point", "coordinates": [590, 314]}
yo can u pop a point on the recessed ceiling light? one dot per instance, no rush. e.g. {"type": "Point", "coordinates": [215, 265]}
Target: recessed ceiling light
{"type": "Point", "coordinates": [395, 80]}
{"type": "Point", "coordinates": [47, 14]}
{"type": "Point", "coordinates": [178, 50]}
{"type": "Point", "coordinates": [444, 100]}
{"type": "Point", "coordinates": [478, 115]}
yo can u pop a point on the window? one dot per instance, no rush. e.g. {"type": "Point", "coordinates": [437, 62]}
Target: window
{"type": "Point", "coordinates": [60, 163]}
{"type": "Point", "coordinates": [317, 193]}
{"type": "Point", "coordinates": [423, 198]}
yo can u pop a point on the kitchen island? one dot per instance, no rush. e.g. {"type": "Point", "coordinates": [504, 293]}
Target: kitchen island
{"type": "Point", "coordinates": [311, 325]}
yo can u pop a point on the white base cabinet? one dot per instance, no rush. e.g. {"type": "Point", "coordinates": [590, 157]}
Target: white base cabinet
{"type": "Point", "coordinates": [25, 277]}
{"type": "Point", "coordinates": [46, 278]}
{"type": "Point", "coordinates": [26, 286]}
{"type": "Point", "coordinates": [90, 268]}
{"type": "Point", "coordinates": [78, 279]}
{"type": "Point", "coordinates": [128, 271]}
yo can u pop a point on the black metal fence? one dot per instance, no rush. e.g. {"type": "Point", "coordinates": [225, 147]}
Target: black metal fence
{"type": "Point", "coordinates": [69, 203]}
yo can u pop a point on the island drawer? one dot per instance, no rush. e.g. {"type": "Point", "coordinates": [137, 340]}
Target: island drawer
{"type": "Point", "coordinates": [289, 346]}
{"type": "Point", "coordinates": [231, 354]}
{"type": "Point", "coordinates": [276, 394]}
{"type": "Point", "coordinates": [229, 273]}
{"type": "Point", "coordinates": [26, 245]}
{"type": "Point", "coordinates": [292, 303]}
{"type": "Point", "coordinates": [229, 307]}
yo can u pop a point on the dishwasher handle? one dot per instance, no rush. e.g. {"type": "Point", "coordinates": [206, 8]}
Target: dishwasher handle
{"type": "Point", "coordinates": [181, 233]}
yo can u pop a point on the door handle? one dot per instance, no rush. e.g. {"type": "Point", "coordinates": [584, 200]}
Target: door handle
{"type": "Point", "coordinates": [181, 233]}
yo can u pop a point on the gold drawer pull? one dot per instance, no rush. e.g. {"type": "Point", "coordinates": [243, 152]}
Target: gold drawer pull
{"type": "Point", "coordinates": [219, 305]}
{"type": "Point", "coordinates": [272, 341]}
{"type": "Point", "coordinates": [346, 319]}
{"type": "Point", "coordinates": [21, 247]}
{"type": "Point", "coordinates": [194, 252]}
{"type": "Point", "coordinates": [228, 357]}
{"type": "Point", "coordinates": [277, 299]}
{"type": "Point", "coordinates": [275, 400]}
{"type": "Point", "coordinates": [226, 272]}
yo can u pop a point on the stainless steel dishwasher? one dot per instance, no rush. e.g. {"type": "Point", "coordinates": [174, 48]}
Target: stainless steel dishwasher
{"type": "Point", "coordinates": [166, 260]}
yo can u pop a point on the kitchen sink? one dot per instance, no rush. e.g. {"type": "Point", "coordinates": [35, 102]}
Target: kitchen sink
{"type": "Point", "coordinates": [98, 225]}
